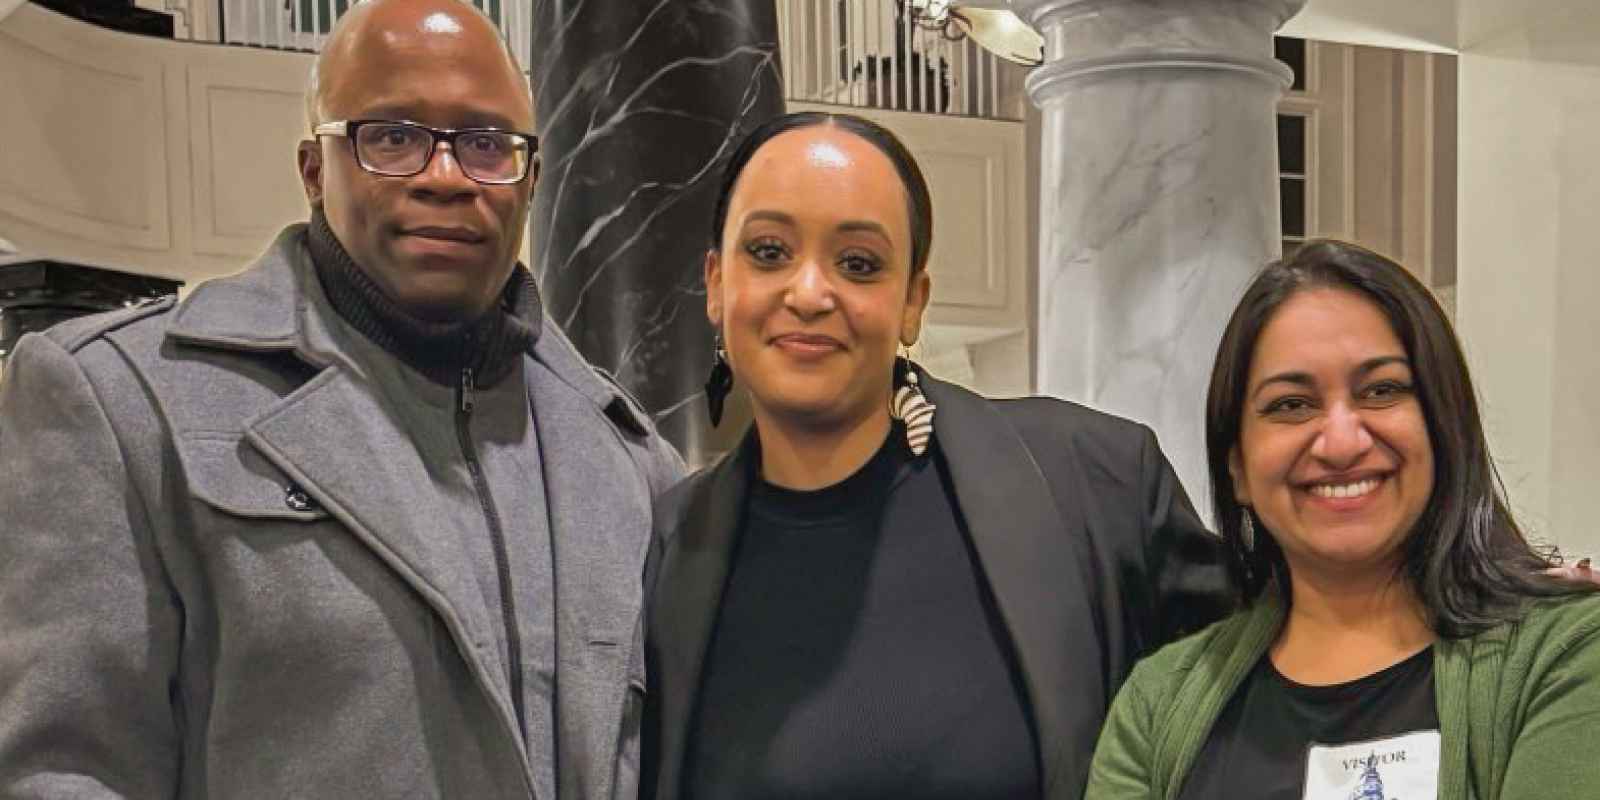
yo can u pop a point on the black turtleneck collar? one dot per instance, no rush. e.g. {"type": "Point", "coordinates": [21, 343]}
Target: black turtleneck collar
{"type": "Point", "coordinates": [488, 345]}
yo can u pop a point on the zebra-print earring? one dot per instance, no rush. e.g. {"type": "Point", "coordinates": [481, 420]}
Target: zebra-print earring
{"type": "Point", "coordinates": [911, 407]}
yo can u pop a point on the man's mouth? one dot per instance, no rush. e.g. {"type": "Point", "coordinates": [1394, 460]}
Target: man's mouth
{"type": "Point", "coordinates": [445, 233]}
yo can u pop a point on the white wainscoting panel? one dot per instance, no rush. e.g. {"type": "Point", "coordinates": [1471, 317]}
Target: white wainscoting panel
{"type": "Point", "coordinates": [167, 157]}
{"type": "Point", "coordinates": [248, 114]}
{"type": "Point", "coordinates": [85, 155]}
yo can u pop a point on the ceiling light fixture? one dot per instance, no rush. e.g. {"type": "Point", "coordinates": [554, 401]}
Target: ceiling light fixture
{"type": "Point", "coordinates": [1000, 32]}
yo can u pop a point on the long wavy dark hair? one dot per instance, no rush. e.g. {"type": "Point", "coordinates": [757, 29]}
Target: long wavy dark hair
{"type": "Point", "coordinates": [1467, 559]}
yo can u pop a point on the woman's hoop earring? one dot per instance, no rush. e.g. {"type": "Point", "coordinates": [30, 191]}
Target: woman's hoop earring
{"type": "Point", "coordinates": [1247, 531]}
{"type": "Point", "coordinates": [719, 382]}
{"type": "Point", "coordinates": [911, 407]}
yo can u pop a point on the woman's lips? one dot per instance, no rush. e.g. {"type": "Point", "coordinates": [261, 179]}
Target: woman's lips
{"type": "Point", "coordinates": [1346, 494]}
{"type": "Point", "coordinates": [808, 346]}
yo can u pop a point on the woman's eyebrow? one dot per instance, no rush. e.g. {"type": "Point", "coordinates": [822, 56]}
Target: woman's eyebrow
{"type": "Point", "coordinates": [1380, 361]}
{"type": "Point", "coordinates": [864, 226]}
{"type": "Point", "coordinates": [766, 215]}
{"type": "Point", "coordinates": [1296, 378]}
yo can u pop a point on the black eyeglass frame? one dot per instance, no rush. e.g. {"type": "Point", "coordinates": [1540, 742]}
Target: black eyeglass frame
{"type": "Point", "coordinates": [347, 128]}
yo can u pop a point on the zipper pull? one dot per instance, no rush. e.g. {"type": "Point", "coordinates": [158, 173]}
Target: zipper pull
{"type": "Point", "coordinates": [467, 388]}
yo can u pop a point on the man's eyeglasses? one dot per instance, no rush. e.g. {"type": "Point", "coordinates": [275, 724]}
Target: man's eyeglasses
{"type": "Point", "coordinates": [401, 149]}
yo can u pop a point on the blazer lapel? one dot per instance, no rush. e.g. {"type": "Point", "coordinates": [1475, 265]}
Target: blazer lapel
{"type": "Point", "coordinates": [684, 608]}
{"type": "Point", "coordinates": [1032, 546]}
{"type": "Point", "coordinates": [343, 449]}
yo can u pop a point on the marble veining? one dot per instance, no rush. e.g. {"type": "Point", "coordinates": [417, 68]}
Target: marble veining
{"type": "Point", "coordinates": [640, 104]}
{"type": "Point", "coordinates": [1159, 203]}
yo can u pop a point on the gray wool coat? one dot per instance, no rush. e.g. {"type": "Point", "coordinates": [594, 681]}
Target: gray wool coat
{"type": "Point", "coordinates": [174, 624]}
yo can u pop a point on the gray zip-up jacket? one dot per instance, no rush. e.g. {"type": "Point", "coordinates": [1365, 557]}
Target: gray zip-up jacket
{"type": "Point", "coordinates": [234, 563]}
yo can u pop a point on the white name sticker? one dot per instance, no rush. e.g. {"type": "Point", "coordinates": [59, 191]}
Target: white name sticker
{"type": "Point", "coordinates": [1397, 768]}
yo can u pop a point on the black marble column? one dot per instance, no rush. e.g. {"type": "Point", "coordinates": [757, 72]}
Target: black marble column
{"type": "Point", "coordinates": [36, 293]}
{"type": "Point", "coordinates": [640, 102]}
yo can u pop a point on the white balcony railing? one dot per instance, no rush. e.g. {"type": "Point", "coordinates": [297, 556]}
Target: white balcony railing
{"type": "Point", "coordinates": [303, 25]}
{"type": "Point", "coordinates": [861, 53]}
{"type": "Point", "coordinates": [872, 54]}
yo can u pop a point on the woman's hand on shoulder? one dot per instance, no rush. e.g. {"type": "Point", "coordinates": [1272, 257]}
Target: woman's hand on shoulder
{"type": "Point", "coordinates": [1581, 572]}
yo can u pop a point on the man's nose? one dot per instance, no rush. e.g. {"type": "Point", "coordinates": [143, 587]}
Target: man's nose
{"type": "Point", "coordinates": [810, 293]}
{"type": "Point", "coordinates": [442, 178]}
{"type": "Point", "coordinates": [1344, 438]}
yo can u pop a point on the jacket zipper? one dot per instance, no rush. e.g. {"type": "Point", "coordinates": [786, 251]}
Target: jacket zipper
{"type": "Point", "coordinates": [502, 561]}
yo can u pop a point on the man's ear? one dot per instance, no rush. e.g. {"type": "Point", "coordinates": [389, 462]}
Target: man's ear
{"type": "Point", "coordinates": [917, 295]}
{"type": "Point", "coordinates": [713, 277]}
{"type": "Point", "coordinates": [309, 156]}
{"type": "Point", "coordinates": [1241, 489]}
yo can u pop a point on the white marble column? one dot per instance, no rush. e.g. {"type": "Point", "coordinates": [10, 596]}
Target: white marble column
{"type": "Point", "coordinates": [1159, 199]}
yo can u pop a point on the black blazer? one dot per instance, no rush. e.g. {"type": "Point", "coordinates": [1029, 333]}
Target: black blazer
{"type": "Point", "coordinates": [1091, 548]}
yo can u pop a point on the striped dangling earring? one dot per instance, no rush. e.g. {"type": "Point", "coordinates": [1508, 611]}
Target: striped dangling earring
{"type": "Point", "coordinates": [911, 407]}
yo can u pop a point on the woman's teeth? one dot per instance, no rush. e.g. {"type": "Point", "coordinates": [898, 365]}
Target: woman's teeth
{"type": "Point", "coordinates": [1344, 490]}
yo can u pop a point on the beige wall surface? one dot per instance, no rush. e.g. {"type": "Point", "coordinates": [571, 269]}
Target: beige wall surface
{"type": "Point", "coordinates": [1404, 24]}
{"type": "Point", "coordinates": [164, 157]}
{"type": "Point", "coordinates": [1527, 289]}
{"type": "Point", "coordinates": [1529, 286]}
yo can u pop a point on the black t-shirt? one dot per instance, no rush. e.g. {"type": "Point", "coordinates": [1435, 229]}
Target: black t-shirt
{"type": "Point", "coordinates": [857, 652]}
{"type": "Point", "coordinates": [1375, 738]}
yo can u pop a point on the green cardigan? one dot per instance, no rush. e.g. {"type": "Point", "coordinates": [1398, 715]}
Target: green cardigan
{"type": "Point", "coordinates": [1519, 706]}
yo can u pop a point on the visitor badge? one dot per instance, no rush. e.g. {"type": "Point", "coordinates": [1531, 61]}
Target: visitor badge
{"type": "Point", "coordinates": [1404, 767]}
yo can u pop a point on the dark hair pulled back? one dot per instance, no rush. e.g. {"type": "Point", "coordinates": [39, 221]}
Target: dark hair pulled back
{"type": "Point", "coordinates": [919, 202]}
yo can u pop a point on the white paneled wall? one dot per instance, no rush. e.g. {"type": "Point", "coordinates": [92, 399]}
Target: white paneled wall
{"type": "Point", "coordinates": [168, 157]}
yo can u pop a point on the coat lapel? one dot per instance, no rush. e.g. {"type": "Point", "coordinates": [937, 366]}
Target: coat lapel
{"type": "Point", "coordinates": [1032, 545]}
{"type": "Point", "coordinates": [337, 442]}
{"type": "Point", "coordinates": [333, 437]}
{"type": "Point", "coordinates": [683, 611]}
{"type": "Point", "coordinates": [599, 506]}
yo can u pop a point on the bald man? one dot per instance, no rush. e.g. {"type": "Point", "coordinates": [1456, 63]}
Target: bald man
{"type": "Point", "coordinates": [357, 522]}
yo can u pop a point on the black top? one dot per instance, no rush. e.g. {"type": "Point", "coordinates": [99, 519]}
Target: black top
{"type": "Point", "coordinates": [1082, 533]}
{"type": "Point", "coordinates": [858, 652]}
{"type": "Point", "coordinates": [1375, 737]}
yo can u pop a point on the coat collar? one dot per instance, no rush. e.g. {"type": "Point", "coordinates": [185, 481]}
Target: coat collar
{"type": "Point", "coordinates": [275, 304]}
{"type": "Point", "coordinates": [256, 309]}
{"type": "Point", "coordinates": [1031, 544]}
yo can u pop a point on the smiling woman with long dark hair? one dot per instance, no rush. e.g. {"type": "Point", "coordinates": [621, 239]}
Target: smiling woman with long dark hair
{"type": "Point", "coordinates": [1400, 639]}
{"type": "Point", "coordinates": [893, 587]}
